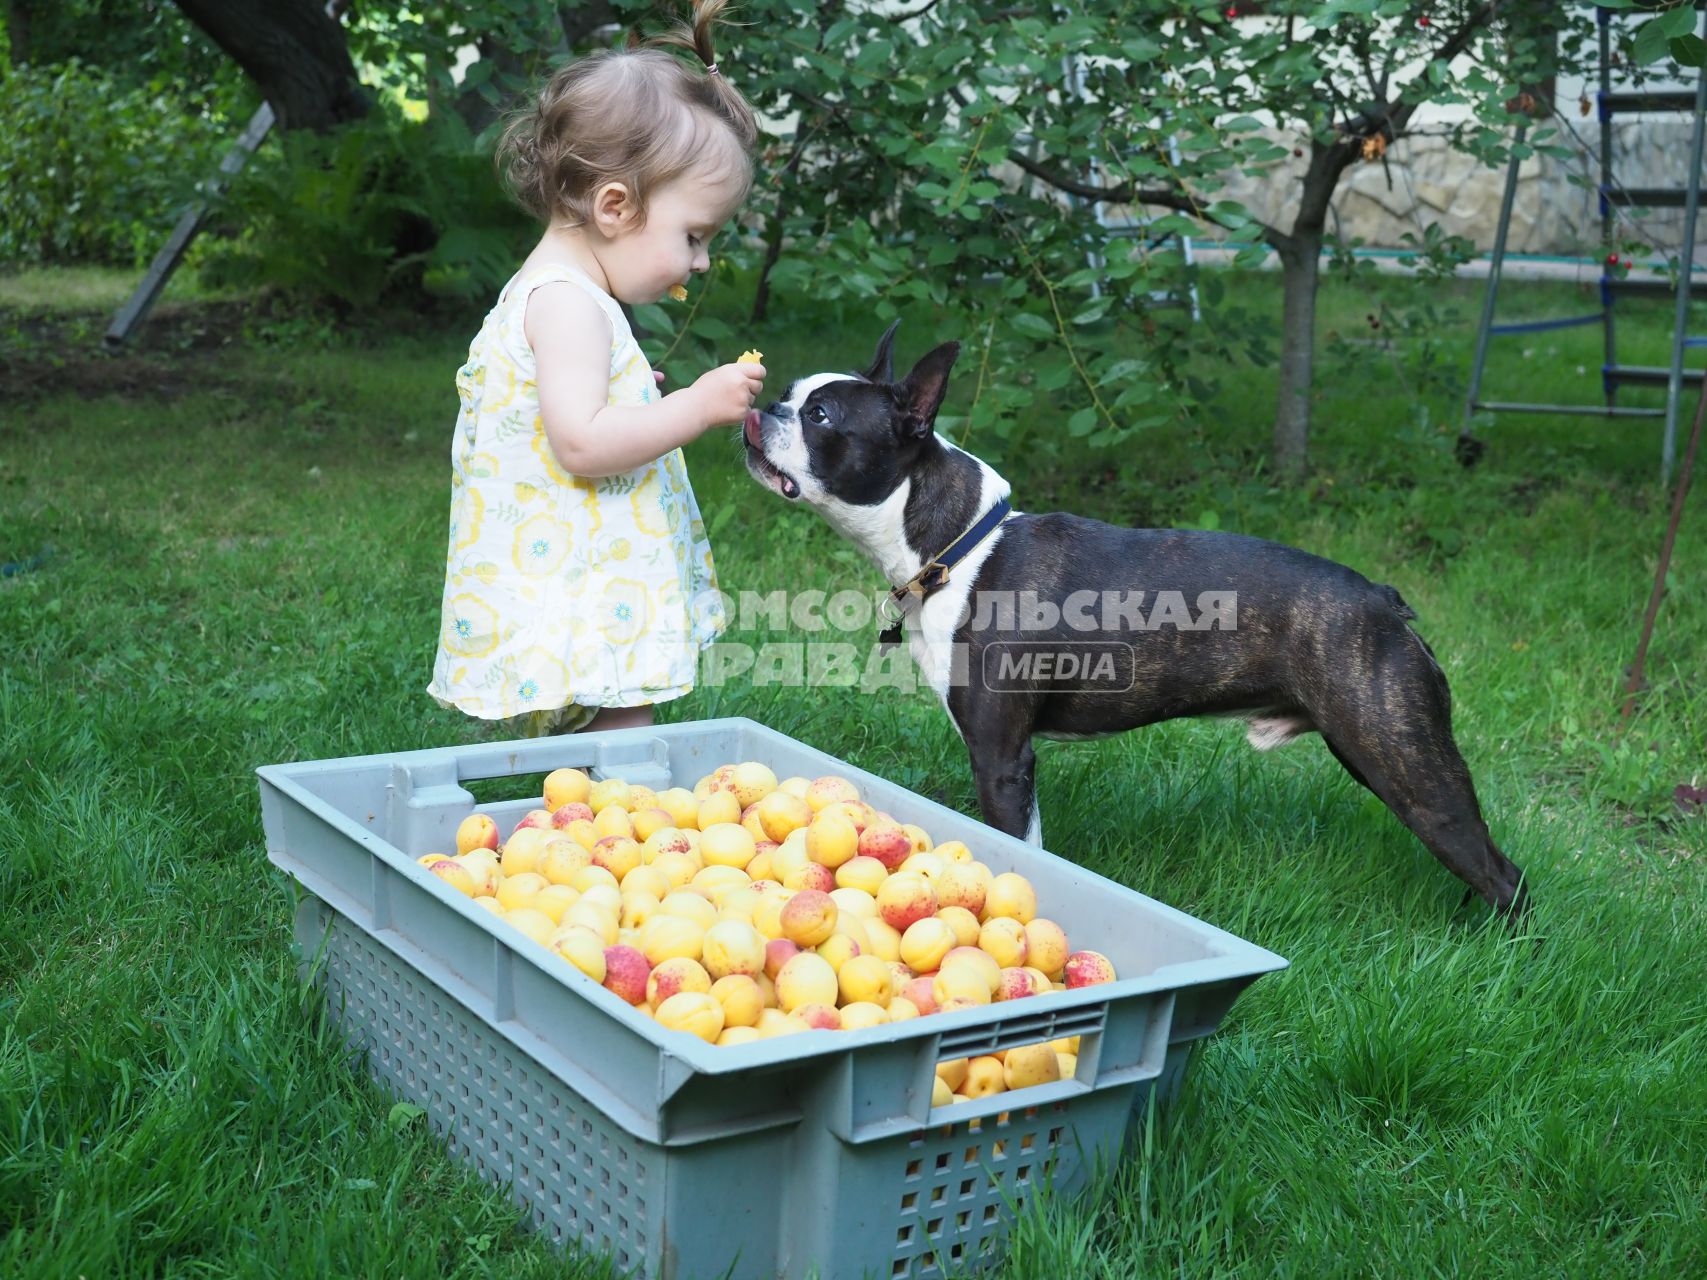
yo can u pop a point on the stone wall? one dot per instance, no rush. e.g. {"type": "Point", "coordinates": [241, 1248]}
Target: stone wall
{"type": "Point", "coordinates": [1424, 180]}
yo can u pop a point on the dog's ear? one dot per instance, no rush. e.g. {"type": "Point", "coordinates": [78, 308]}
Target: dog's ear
{"type": "Point", "coordinates": [881, 370]}
{"type": "Point", "coordinates": [920, 394]}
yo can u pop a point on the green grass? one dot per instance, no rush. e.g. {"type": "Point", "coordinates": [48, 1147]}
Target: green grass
{"type": "Point", "coordinates": [247, 541]}
{"type": "Point", "coordinates": [83, 289]}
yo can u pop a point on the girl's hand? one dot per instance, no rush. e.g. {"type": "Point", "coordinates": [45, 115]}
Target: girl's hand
{"type": "Point", "coordinates": [728, 391]}
{"type": "Point", "coordinates": [658, 377]}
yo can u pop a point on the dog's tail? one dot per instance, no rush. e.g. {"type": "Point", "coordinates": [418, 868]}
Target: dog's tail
{"type": "Point", "coordinates": [1406, 614]}
{"type": "Point", "coordinates": [1397, 603]}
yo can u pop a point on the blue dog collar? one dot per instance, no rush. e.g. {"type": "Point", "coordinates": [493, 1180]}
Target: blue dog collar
{"type": "Point", "coordinates": [934, 575]}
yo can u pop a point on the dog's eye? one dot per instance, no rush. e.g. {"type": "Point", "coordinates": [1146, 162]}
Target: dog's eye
{"type": "Point", "coordinates": [816, 414]}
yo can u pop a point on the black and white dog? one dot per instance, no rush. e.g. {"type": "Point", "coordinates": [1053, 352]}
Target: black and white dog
{"type": "Point", "coordinates": [1040, 625]}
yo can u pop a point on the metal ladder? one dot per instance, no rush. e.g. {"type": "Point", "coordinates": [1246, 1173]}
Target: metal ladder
{"type": "Point", "coordinates": [1130, 225]}
{"type": "Point", "coordinates": [1613, 196]}
{"type": "Point", "coordinates": [142, 299]}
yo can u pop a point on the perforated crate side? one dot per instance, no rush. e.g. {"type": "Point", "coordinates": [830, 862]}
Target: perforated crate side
{"type": "Point", "coordinates": [581, 1179]}
{"type": "Point", "coordinates": [940, 1201]}
{"type": "Point", "coordinates": [666, 1213]}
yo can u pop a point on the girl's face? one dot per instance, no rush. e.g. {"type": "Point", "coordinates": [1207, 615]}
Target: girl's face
{"type": "Point", "coordinates": [682, 216]}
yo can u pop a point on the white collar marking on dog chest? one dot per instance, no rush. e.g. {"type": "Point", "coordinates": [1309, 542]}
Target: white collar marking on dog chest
{"type": "Point", "coordinates": [930, 628]}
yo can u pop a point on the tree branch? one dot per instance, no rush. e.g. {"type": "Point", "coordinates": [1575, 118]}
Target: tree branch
{"type": "Point", "coordinates": [1395, 116]}
{"type": "Point", "coordinates": [296, 54]}
{"type": "Point", "coordinates": [1175, 198]}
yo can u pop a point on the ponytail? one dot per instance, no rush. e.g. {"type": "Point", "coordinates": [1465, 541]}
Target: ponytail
{"type": "Point", "coordinates": [697, 36]}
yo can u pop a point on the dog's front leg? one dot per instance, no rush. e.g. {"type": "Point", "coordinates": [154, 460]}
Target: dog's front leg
{"type": "Point", "coordinates": [1004, 769]}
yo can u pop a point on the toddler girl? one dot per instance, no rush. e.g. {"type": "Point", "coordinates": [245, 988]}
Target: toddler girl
{"type": "Point", "coordinates": [579, 587]}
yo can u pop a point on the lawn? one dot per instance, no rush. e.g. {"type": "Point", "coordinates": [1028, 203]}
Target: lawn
{"type": "Point", "coordinates": [244, 524]}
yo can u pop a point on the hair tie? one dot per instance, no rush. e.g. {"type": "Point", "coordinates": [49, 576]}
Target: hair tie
{"type": "Point", "coordinates": [711, 68]}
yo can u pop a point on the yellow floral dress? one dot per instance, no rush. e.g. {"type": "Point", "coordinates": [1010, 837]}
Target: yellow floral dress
{"type": "Point", "coordinates": [563, 594]}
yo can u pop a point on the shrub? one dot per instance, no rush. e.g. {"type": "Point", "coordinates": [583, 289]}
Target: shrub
{"type": "Point", "coordinates": [375, 209]}
{"type": "Point", "coordinates": [95, 170]}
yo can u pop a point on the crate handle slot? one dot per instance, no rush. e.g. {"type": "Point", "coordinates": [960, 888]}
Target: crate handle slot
{"type": "Point", "coordinates": [637, 755]}
{"type": "Point", "coordinates": [1035, 1095]}
{"type": "Point", "coordinates": [1029, 1029]}
{"type": "Point", "coordinates": [885, 1089]}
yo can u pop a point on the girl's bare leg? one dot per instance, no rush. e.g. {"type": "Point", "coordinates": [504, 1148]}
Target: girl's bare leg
{"type": "Point", "coordinates": [620, 718]}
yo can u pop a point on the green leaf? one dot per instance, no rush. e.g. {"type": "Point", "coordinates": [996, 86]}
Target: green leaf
{"type": "Point", "coordinates": [1173, 224]}
{"type": "Point", "coordinates": [1252, 255]}
{"type": "Point", "coordinates": [1034, 325]}
{"type": "Point", "coordinates": [1082, 422]}
{"type": "Point", "coordinates": [1120, 370]}
{"type": "Point", "coordinates": [1230, 214]}
{"type": "Point", "coordinates": [1679, 21]}
{"type": "Point", "coordinates": [402, 1115]}
{"type": "Point", "coordinates": [1653, 40]}
{"type": "Point", "coordinates": [1052, 375]}
{"type": "Point", "coordinates": [654, 318]}
{"type": "Point", "coordinates": [1689, 50]}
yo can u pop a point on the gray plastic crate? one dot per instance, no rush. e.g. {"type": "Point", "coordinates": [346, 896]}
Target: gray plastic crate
{"type": "Point", "coordinates": [812, 1154]}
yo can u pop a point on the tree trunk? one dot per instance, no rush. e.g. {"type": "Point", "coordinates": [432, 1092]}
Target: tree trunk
{"type": "Point", "coordinates": [293, 51]}
{"type": "Point", "coordinates": [1300, 270]}
{"type": "Point", "coordinates": [509, 72]}
{"type": "Point", "coordinates": [578, 22]}
{"type": "Point", "coordinates": [518, 61]}
{"type": "Point", "coordinates": [18, 31]}
{"type": "Point", "coordinates": [773, 251]}
{"type": "Point", "coordinates": [1300, 259]}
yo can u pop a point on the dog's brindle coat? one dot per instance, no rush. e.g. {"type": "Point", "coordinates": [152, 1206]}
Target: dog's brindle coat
{"type": "Point", "coordinates": [1316, 646]}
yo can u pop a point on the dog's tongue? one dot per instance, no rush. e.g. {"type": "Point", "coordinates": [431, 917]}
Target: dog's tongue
{"type": "Point", "coordinates": [751, 427]}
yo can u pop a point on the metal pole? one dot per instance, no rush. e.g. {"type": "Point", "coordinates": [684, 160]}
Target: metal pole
{"type": "Point", "coordinates": [1484, 330]}
{"type": "Point", "coordinates": [1634, 684]}
{"type": "Point", "coordinates": [1609, 341]}
{"type": "Point", "coordinates": [142, 299]}
{"type": "Point", "coordinates": [1686, 273]}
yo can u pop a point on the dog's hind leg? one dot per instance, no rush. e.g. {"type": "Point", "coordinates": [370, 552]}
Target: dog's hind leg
{"type": "Point", "coordinates": [1394, 735]}
{"type": "Point", "coordinates": [1352, 769]}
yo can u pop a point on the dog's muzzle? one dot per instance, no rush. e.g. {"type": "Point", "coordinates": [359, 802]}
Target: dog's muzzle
{"type": "Point", "coordinates": [762, 468]}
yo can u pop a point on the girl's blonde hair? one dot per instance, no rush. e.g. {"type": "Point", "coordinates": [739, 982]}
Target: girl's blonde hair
{"type": "Point", "coordinates": [638, 116]}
